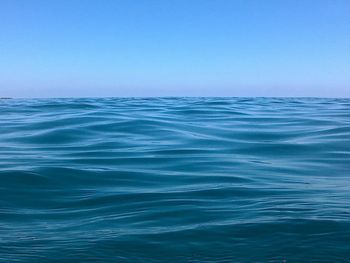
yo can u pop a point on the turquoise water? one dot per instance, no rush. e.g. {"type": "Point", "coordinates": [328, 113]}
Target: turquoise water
{"type": "Point", "coordinates": [175, 180]}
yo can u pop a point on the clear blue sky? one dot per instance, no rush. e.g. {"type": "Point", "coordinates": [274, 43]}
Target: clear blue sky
{"type": "Point", "coordinates": [64, 48]}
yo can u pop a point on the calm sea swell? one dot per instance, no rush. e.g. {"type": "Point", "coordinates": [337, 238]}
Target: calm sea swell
{"type": "Point", "coordinates": [175, 180]}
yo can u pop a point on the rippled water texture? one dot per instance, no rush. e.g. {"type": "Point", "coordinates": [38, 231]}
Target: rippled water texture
{"type": "Point", "coordinates": [175, 180]}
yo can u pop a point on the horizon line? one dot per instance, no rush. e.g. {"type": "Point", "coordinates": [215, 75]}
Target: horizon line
{"type": "Point", "coordinates": [141, 97]}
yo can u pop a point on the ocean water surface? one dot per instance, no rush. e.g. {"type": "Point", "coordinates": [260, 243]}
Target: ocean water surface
{"type": "Point", "coordinates": [175, 180]}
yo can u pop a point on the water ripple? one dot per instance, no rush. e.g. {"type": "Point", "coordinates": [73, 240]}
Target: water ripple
{"type": "Point", "coordinates": [175, 180]}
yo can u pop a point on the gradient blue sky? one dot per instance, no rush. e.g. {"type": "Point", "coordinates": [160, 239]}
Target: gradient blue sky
{"type": "Point", "coordinates": [79, 48]}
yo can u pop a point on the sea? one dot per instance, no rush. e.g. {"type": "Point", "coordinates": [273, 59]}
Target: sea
{"type": "Point", "coordinates": [241, 180]}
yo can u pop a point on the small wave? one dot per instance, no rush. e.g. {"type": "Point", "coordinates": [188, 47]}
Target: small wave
{"type": "Point", "coordinates": [175, 180]}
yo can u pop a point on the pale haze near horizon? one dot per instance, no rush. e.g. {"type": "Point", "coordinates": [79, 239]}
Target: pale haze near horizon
{"type": "Point", "coordinates": [174, 48]}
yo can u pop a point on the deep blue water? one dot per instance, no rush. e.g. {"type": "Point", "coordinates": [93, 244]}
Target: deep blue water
{"type": "Point", "coordinates": [175, 180]}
